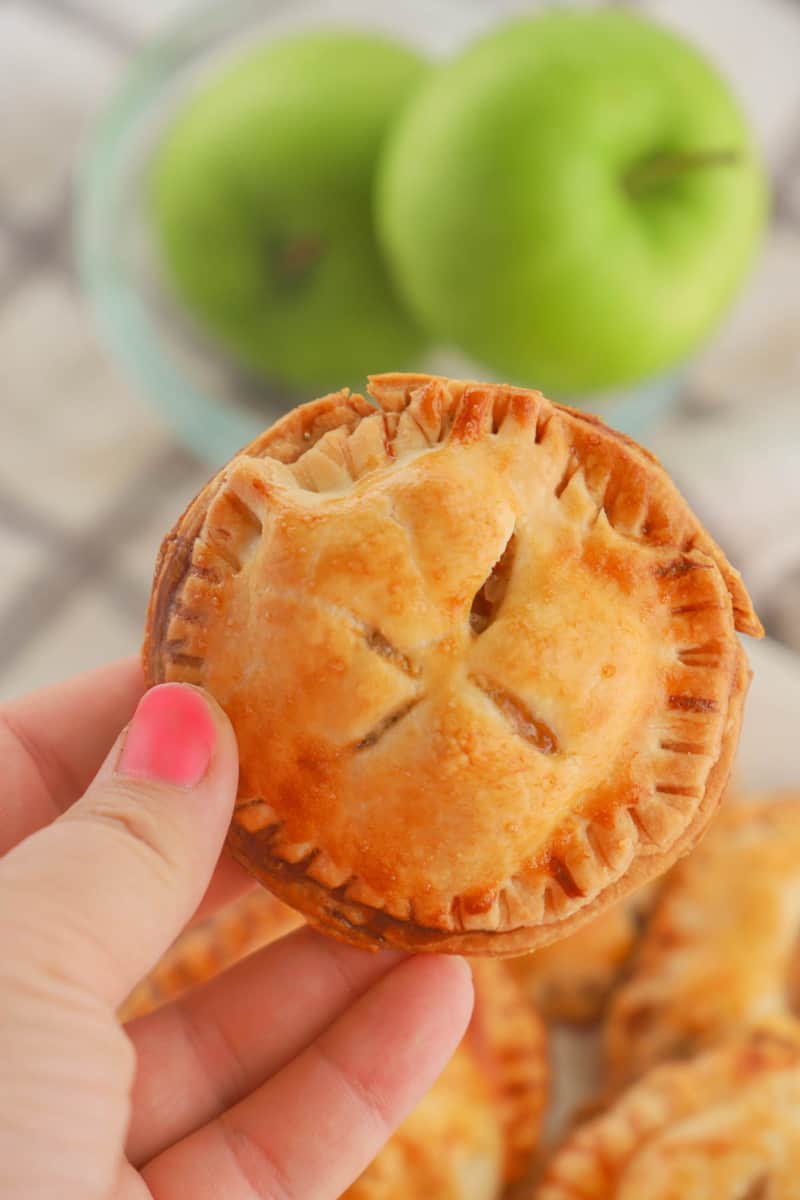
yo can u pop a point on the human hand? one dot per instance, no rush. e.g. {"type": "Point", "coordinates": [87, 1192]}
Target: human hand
{"type": "Point", "coordinates": [280, 1079]}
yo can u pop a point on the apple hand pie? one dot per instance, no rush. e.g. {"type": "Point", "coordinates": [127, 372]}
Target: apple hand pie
{"type": "Point", "coordinates": [479, 655]}
{"type": "Point", "coordinates": [570, 981]}
{"type": "Point", "coordinates": [725, 1125]}
{"type": "Point", "coordinates": [721, 949]}
{"type": "Point", "coordinates": [508, 1037]}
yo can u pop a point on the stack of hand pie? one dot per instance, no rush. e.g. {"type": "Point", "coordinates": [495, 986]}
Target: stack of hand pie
{"type": "Point", "coordinates": [702, 1033]}
{"type": "Point", "coordinates": [482, 665]}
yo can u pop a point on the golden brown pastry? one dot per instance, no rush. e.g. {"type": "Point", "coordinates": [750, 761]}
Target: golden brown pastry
{"type": "Point", "coordinates": [508, 1037]}
{"type": "Point", "coordinates": [721, 948]}
{"type": "Point", "coordinates": [478, 653]}
{"type": "Point", "coordinates": [723, 1126]}
{"type": "Point", "coordinates": [210, 947]}
{"type": "Point", "coordinates": [570, 981]}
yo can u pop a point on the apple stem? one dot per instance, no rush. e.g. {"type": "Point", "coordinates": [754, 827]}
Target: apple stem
{"type": "Point", "coordinates": [293, 260]}
{"type": "Point", "coordinates": [664, 167]}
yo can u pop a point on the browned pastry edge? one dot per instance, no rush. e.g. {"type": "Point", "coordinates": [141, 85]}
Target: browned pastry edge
{"type": "Point", "coordinates": [370, 927]}
{"type": "Point", "coordinates": [393, 392]}
{"type": "Point", "coordinates": [668, 1091]}
{"type": "Point", "coordinates": [304, 425]}
{"type": "Point", "coordinates": [355, 922]}
{"type": "Point", "coordinates": [629, 1048]}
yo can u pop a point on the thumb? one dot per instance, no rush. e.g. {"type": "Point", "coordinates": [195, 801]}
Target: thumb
{"type": "Point", "coordinates": [97, 896]}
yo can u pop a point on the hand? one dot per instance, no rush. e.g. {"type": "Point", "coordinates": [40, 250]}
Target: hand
{"type": "Point", "coordinates": [281, 1078]}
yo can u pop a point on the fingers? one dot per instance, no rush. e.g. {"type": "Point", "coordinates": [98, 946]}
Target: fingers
{"type": "Point", "coordinates": [86, 906]}
{"type": "Point", "coordinates": [65, 1076]}
{"type": "Point", "coordinates": [52, 742]}
{"type": "Point", "coordinates": [98, 895]}
{"type": "Point", "coordinates": [317, 1123]}
{"type": "Point", "coordinates": [197, 1057]}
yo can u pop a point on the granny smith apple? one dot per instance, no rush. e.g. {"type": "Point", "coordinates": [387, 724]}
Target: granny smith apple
{"type": "Point", "coordinates": [573, 201]}
{"type": "Point", "coordinates": [262, 203]}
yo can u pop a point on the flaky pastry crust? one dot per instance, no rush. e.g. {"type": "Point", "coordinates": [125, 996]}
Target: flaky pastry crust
{"type": "Point", "coordinates": [724, 1125]}
{"type": "Point", "coordinates": [721, 949]}
{"type": "Point", "coordinates": [479, 655]}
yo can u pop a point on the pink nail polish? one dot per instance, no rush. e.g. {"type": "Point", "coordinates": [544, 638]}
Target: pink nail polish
{"type": "Point", "coordinates": [171, 737]}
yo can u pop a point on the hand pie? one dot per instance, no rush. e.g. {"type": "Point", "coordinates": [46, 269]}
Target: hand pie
{"type": "Point", "coordinates": [721, 948]}
{"type": "Point", "coordinates": [210, 947]}
{"type": "Point", "coordinates": [479, 655]}
{"type": "Point", "coordinates": [569, 981]}
{"type": "Point", "coordinates": [508, 1037]}
{"type": "Point", "coordinates": [724, 1126]}
{"type": "Point", "coordinates": [477, 1128]}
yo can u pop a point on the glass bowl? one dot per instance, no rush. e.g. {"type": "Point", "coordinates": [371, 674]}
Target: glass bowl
{"type": "Point", "coordinates": [213, 405]}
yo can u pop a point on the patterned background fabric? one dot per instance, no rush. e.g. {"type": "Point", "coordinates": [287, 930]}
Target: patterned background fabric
{"type": "Point", "coordinates": [90, 480]}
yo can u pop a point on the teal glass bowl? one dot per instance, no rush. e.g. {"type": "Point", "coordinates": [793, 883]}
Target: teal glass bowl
{"type": "Point", "coordinates": [213, 405]}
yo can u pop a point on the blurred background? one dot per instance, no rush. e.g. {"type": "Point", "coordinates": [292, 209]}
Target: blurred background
{"type": "Point", "coordinates": [114, 406]}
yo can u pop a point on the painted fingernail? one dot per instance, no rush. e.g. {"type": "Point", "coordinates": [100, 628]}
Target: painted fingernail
{"type": "Point", "coordinates": [171, 737]}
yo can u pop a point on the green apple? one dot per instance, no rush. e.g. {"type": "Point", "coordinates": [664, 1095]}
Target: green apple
{"type": "Point", "coordinates": [573, 201]}
{"type": "Point", "coordinates": [262, 202]}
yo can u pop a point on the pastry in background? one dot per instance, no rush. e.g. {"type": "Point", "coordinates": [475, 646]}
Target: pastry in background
{"type": "Point", "coordinates": [509, 1038]}
{"type": "Point", "coordinates": [570, 981]}
{"type": "Point", "coordinates": [722, 1126]}
{"type": "Point", "coordinates": [479, 654]}
{"type": "Point", "coordinates": [210, 947]}
{"type": "Point", "coordinates": [721, 949]}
